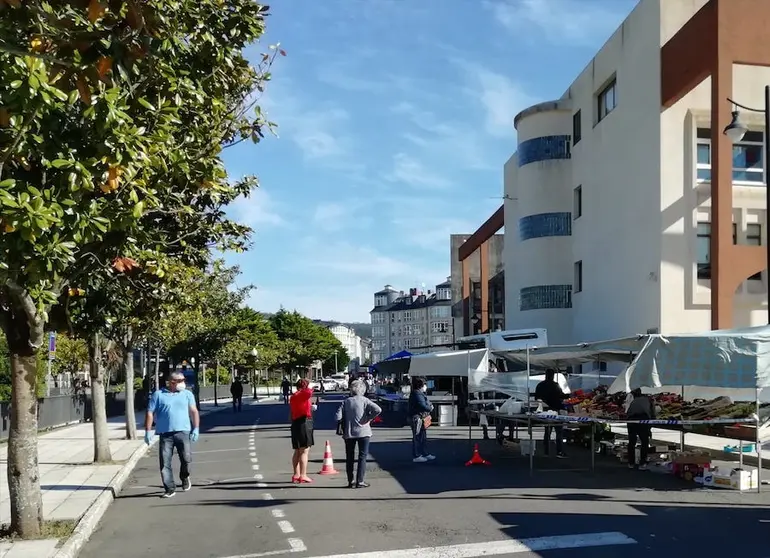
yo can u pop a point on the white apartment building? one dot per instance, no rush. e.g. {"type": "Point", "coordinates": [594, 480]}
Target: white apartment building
{"type": "Point", "coordinates": [608, 199]}
{"type": "Point", "coordinates": [352, 342]}
{"type": "Point", "coordinates": [415, 321]}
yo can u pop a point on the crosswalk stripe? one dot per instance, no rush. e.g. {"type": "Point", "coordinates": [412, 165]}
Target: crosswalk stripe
{"type": "Point", "coordinates": [498, 548]}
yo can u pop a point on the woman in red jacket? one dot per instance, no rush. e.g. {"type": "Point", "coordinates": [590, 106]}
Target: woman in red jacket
{"type": "Point", "coordinates": [301, 408]}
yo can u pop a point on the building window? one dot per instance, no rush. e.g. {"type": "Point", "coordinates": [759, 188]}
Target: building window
{"type": "Point", "coordinates": [578, 282]}
{"type": "Point", "coordinates": [577, 134]}
{"type": "Point", "coordinates": [607, 100]}
{"type": "Point", "coordinates": [440, 327]}
{"type": "Point", "coordinates": [754, 238]}
{"type": "Point", "coordinates": [577, 202]}
{"type": "Point", "coordinates": [748, 166]}
{"type": "Point", "coordinates": [703, 250]}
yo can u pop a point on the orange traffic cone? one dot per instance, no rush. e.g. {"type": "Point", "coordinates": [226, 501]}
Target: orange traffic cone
{"type": "Point", "coordinates": [477, 459]}
{"type": "Point", "coordinates": [328, 466]}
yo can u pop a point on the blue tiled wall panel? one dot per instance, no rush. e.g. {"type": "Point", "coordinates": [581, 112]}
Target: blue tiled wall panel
{"type": "Point", "coordinates": [545, 224]}
{"type": "Point", "coordinates": [545, 296]}
{"type": "Point", "coordinates": [546, 148]}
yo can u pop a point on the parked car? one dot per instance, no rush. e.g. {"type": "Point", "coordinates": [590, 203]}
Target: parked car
{"type": "Point", "coordinates": [340, 379]}
{"type": "Point", "coordinates": [329, 385]}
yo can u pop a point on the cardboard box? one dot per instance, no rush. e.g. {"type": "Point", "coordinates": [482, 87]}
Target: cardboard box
{"type": "Point", "coordinates": [736, 479]}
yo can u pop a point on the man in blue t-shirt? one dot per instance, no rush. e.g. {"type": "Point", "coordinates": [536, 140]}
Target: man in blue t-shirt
{"type": "Point", "coordinates": [177, 422]}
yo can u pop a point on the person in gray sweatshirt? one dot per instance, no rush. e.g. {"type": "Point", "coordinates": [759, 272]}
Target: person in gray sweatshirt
{"type": "Point", "coordinates": [356, 413]}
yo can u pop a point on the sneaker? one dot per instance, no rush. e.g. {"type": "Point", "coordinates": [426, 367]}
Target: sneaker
{"type": "Point", "coordinates": [429, 457]}
{"type": "Point", "coordinates": [168, 494]}
{"type": "Point", "coordinates": [643, 467]}
{"type": "Point", "coordinates": [561, 455]}
{"type": "Point", "coordinates": [631, 466]}
{"type": "Point", "coordinates": [420, 460]}
{"type": "Point", "coordinates": [186, 484]}
{"type": "Point", "coordinates": [363, 485]}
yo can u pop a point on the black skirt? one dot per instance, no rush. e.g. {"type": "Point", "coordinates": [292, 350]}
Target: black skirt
{"type": "Point", "coordinates": [302, 433]}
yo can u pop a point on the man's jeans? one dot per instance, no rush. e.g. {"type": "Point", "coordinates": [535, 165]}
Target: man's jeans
{"type": "Point", "coordinates": [559, 439]}
{"type": "Point", "coordinates": [237, 401]}
{"type": "Point", "coordinates": [419, 437]}
{"type": "Point", "coordinates": [169, 441]}
{"type": "Point", "coordinates": [350, 453]}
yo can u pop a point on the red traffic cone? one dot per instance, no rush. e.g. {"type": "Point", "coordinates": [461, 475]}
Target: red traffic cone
{"type": "Point", "coordinates": [476, 459]}
{"type": "Point", "coordinates": [328, 466]}
{"type": "Point", "coordinates": [377, 419]}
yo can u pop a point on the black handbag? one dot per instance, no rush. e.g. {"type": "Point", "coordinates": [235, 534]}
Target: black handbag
{"type": "Point", "coordinates": [340, 428]}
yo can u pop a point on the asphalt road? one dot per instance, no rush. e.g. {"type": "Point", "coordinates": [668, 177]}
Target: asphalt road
{"type": "Point", "coordinates": [443, 508]}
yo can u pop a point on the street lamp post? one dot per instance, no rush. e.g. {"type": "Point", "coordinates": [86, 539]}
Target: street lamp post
{"type": "Point", "coordinates": [254, 355]}
{"type": "Point", "coordinates": [735, 131]}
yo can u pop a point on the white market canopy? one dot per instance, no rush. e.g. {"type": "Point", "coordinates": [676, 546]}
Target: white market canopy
{"type": "Point", "coordinates": [561, 356]}
{"type": "Point", "coordinates": [731, 358]}
{"type": "Point", "coordinates": [449, 363]}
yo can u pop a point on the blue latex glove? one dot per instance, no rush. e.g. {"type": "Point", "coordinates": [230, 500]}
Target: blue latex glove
{"type": "Point", "coordinates": [147, 437]}
{"type": "Point", "coordinates": [194, 435]}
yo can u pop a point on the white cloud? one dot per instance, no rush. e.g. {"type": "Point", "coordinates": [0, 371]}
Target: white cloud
{"type": "Point", "coordinates": [578, 22]}
{"type": "Point", "coordinates": [340, 279]}
{"type": "Point", "coordinates": [408, 170]}
{"type": "Point", "coordinates": [499, 96]}
{"type": "Point", "coordinates": [258, 209]}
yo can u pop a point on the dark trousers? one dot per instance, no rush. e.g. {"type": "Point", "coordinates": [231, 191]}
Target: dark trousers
{"type": "Point", "coordinates": [169, 441]}
{"type": "Point", "coordinates": [350, 451]}
{"type": "Point", "coordinates": [419, 437]}
{"type": "Point", "coordinates": [286, 397]}
{"type": "Point", "coordinates": [237, 399]}
{"type": "Point", "coordinates": [559, 439]}
{"type": "Point", "coordinates": [640, 432]}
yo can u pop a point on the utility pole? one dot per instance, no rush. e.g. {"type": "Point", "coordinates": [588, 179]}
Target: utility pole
{"type": "Point", "coordinates": [335, 362]}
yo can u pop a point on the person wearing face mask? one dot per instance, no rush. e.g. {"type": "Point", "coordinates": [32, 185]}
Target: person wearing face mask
{"type": "Point", "coordinates": [177, 423]}
{"type": "Point", "coordinates": [419, 418]}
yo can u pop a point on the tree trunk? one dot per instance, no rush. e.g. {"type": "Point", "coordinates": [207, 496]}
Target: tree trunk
{"type": "Point", "coordinates": [128, 368]}
{"type": "Point", "coordinates": [157, 368]}
{"type": "Point", "coordinates": [216, 382]}
{"type": "Point", "coordinates": [23, 472]}
{"type": "Point", "coordinates": [102, 452]}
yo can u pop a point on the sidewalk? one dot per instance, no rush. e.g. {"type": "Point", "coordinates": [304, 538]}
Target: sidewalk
{"type": "Point", "coordinates": [69, 481]}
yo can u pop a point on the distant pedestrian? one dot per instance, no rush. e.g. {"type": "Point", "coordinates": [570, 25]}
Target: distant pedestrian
{"type": "Point", "coordinates": [177, 422]}
{"type": "Point", "coordinates": [551, 393]}
{"type": "Point", "coordinates": [301, 409]}
{"type": "Point", "coordinates": [236, 390]}
{"type": "Point", "coordinates": [286, 389]}
{"type": "Point", "coordinates": [356, 413]}
{"type": "Point", "coordinates": [419, 417]}
{"type": "Point", "coordinates": [640, 408]}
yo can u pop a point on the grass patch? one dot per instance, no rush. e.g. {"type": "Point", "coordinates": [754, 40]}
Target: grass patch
{"type": "Point", "coordinates": [53, 529]}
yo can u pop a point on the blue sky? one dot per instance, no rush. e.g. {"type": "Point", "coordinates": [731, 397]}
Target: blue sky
{"type": "Point", "coordinates": [394, 122]}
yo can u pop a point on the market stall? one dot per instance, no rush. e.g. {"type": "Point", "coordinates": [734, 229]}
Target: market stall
{"type": "Point", "coordinates": [732, 361]}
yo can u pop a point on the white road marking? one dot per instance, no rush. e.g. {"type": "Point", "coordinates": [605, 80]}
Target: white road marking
{"type": "Point", "coordinates": [267, 496]}
{"type": "Point", "coordinates": [252, 454]}
{"type": "Point", "coordinates": [285, 527]}
{"type": "Point", "coordinates": [258, 476]}
{"type": "Point", "coordinates": [297, 545]}
{"type": "Point", "coordinates": [278, 514]}
{"type": "Point", "coordinates": [498, 548]}
{"type": "Point", "coordinates": [255, 467]}
{"type": "Point", "coordinates": [252, 447]}
{"type": "Point", "coordinates": [261, 485]}
{"type": "Point", "coordinates": [254, 459]}
{"type": "Point", "coordinates": [216, 451]}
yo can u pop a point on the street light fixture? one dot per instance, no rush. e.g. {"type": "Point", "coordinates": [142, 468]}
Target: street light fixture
{"type": "Point", "coordinates": [735, 131]}
{"type": "Point", "coordinates": [254, 355]}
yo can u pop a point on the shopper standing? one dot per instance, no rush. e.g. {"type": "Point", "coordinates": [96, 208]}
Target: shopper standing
{"type": "Point", "coordinates": [177, 422]}
{"type": "Point", "coordinates": [356, 413]}
{"type": "Point", "coordinates": [419, 410]}
{"type": "Point", "coordinates": [641, 408]}
{"type": "Point", "coordinates": [301, 409]}
{"type": "Point", "coordinates": [549, 392]}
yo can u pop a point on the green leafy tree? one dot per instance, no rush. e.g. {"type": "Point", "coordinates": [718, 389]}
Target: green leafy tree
{"type": "Point", "coordinates": [304, 341]}
{"type": "Point", "coordinates": [71, 355]}
{"type": "Point", "coordinates": [332, 365]}
{"type": "Point", "coordinates": [112, 115]}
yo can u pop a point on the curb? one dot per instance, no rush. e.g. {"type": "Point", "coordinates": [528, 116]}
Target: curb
{"type": "Point", "coordinates": [89, 521]}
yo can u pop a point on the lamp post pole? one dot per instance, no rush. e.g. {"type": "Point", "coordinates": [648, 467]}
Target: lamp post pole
{"type": "Point", "coordinates": [254, 355]}
{"type": "Point", "coordinates": [735, 131]}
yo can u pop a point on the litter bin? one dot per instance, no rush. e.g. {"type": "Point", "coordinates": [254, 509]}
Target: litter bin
{"type": "Point", "coordinates": [447, 415]}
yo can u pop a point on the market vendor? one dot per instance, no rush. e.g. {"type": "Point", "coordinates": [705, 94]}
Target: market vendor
{"type": "Point", "coordinates": [550, 392]}
{"type": "Point", "coordinates": [641, 407]}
